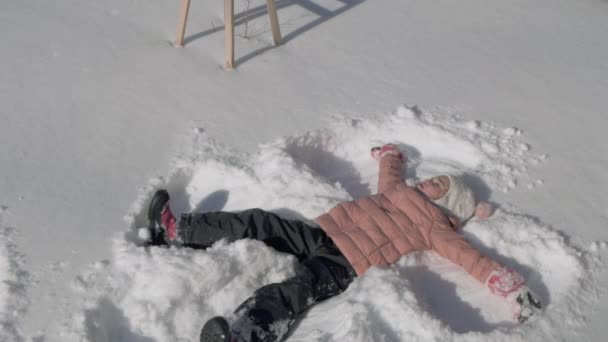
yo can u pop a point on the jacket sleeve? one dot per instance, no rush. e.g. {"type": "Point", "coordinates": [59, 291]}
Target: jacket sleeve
{"type": "Point", "coordinates": [454, 247]}
{"type": "Point", "coordinates": [391, 168]}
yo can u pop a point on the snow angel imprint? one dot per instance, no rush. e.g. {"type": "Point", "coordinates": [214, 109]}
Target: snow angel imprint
{"type": "Point", "coordinates": [372, 231]}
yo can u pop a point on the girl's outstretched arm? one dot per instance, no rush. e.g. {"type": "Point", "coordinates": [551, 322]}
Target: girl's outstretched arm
{"type": "Point", "coordinates": [391, 163]}
{"type": "Point", "coordinates": [500, 280]}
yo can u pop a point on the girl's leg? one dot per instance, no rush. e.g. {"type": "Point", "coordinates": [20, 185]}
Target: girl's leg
{"type": "Point", "coordinates": [201, 230]}
{"type": "Point", "coordinates": [271, 311]}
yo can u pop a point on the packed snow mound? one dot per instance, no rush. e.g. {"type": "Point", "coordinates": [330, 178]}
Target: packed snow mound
{"type": "Point", "coordinates": [13, 285]}
{"type": "Point", "coordinates": [161, 294]}
{"type": "Point", "coordinates": [311, 172]}
{"type": "Point", "coordinates": [166, 294]}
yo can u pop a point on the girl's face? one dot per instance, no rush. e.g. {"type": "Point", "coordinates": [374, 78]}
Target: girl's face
{"type": "Point", "coordinates": [435, 187]}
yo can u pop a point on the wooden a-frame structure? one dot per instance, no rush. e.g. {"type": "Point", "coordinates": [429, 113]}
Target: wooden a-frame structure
{"type": "Point", "coordinates": [229, 27]}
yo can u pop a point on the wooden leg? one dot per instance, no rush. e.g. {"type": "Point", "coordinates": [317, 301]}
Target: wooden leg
{"type": "Point", "coordinates": [181, 26]}
{"type": "Point", "coordinates": [274, 21]}
{"type": "Point", "coordinates": [229, 32]}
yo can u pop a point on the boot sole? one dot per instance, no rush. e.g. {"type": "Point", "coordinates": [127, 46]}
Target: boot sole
{"type": "Point", "coordinates": [216, 330]}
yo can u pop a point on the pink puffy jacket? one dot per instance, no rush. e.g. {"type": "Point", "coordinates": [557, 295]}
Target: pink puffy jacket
{"type": "Point", "coordinates": [379, 229]}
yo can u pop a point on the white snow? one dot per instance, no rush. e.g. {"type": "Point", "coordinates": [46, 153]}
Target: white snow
{"type": "Point", "coordinates": [167, 293]}
{"type": "Point", "coordinates": [13, 283]}
{"type": "Point", "coordinates": [97, 109]}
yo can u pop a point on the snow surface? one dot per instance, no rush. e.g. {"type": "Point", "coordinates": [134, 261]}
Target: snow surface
{"type": "Point", "coordinates": [165, 294]}
{"type": "Point", "coordinates": [13, 283]}
{"type": "Point", "coordinates": [94, 101]}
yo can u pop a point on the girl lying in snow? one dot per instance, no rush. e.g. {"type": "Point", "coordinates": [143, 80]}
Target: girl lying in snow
{"type": "Point", "coordinates": [353, 236]}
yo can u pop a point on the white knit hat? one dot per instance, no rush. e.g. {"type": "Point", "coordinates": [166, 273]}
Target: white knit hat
{"type": "Point", "coordinates": [458, 200]}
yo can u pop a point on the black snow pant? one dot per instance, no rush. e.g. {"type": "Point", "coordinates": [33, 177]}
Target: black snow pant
{"type": "Point", "coordinates": [274, 308]}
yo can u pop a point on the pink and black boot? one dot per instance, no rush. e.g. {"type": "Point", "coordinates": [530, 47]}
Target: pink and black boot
{"type": "Point", "coordinates": [216, 329]}
{"type": "Point", "coordinates": [162, 223]}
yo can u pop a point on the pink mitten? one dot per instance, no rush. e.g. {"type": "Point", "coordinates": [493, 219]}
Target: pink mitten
{"type": "Point", "coordinates": [379, 152]}
{"type": "Point", "coordinates": [511, 285]}
{"type": "Point", "coordinates": [504, 281]}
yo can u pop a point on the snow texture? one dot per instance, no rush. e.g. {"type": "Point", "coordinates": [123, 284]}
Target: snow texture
{"type": "Point", "coordinates": [166, 294]}
{"type": "Point", "coordinates": [13, 285]}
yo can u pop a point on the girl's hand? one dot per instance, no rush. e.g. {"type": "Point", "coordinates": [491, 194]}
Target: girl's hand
{"type": "Point", "coordinates": [378, 152]}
